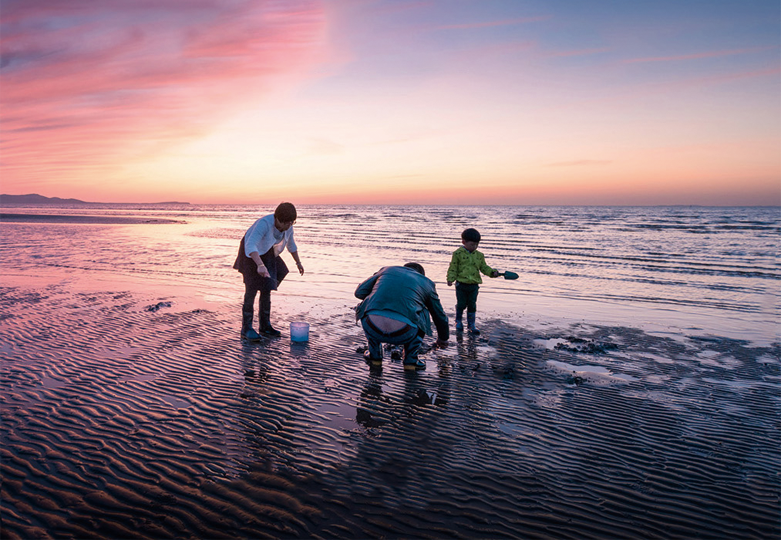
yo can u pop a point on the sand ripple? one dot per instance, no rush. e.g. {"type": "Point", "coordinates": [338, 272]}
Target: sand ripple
{"type": "Point", "coordinates": [124, 422]}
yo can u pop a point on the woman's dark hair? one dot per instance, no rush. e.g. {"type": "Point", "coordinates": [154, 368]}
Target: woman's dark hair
{"type": "Point", "coordinates": [470, 235]}
{"type": "Point", "coordinates": [418, 268]}
{"type": "Point", "coordinates": [285, 212]}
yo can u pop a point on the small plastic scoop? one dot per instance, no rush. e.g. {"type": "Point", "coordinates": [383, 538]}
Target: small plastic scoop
{"type": "Point", "coordinates": [509, 275]}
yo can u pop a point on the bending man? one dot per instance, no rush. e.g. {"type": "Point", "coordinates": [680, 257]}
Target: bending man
{"type": "Point", "coordinates": [397, 301]}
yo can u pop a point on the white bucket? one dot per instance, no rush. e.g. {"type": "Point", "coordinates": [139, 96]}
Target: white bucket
{"type": "Point", "coordinates": [299, 331]}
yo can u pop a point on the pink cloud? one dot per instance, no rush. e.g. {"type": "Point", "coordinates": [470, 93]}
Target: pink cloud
{"type": "Point", "coordinates": [84, 80]}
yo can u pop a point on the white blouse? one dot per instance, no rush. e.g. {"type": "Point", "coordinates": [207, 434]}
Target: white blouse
{"type": "Point", "coordinates": [263, 234]}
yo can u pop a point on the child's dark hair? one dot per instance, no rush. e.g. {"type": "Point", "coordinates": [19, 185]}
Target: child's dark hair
{"type": "Point", "coordinates": [415, 266]}
{"type": "Point", "coordinates": [470, 235]}
{"type": "Point", "coordinates": [285, 212]}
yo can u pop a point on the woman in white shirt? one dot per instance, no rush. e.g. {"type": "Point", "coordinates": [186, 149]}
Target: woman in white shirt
{"type": "Point", "coordinates": [262, 267]}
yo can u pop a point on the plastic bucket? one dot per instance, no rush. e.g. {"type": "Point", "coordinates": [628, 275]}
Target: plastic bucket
{"type": "Point", "coordinates": [299, 331]}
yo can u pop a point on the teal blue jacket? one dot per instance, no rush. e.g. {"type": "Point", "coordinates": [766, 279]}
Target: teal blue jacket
{"type": "Point", "coordinates": [404, 291]}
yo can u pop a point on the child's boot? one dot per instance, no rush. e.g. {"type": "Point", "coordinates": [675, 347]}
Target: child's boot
{"type": "Point", "coordinates": [459, 320]}
{"type": "Point", "coordinates": [470, 319]}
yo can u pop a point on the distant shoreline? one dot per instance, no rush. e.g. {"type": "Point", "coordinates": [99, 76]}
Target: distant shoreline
{"type": "Point", "coordinates": [40, 200]}
{"type": "Point", "coordinates": [91, 220]}
{"type": "Point", "coordinates": [34, 198]}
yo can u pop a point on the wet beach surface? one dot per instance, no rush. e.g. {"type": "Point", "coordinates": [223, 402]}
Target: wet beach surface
{"type": "Point", "coordinates": [131, 415]}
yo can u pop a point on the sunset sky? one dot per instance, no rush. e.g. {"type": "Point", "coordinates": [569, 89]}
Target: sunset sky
{"type": "Point", "coordinates": [363, 101]}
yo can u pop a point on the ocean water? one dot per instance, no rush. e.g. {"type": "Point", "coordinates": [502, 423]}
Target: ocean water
{"type": "Point", "coordinates": [625, 386]}
{"type": "Point", "coordinates": [697, 270]}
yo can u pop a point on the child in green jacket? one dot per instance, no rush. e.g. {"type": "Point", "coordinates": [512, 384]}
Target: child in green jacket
{"type": "Point", "coordinates": [465, 267]}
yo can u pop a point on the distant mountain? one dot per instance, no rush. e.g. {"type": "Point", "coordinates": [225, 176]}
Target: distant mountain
{"type": "Point", "coordinates": [34, 198]}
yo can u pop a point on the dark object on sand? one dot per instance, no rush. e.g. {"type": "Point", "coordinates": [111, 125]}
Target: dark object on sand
{"type": "Point", "coordinates": [158, 306]}
{"type": "Point", "coordinates": [580, 345]}
{"type": "Point", "coordinates": [509, 275]}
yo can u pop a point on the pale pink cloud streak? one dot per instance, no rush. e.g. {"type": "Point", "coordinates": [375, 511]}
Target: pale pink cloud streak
{"type": "Point", "coordinates": [638, 93]}
{"type": "Point", "coordinates": [490, 24]}
{"type": "Point", "coordinates": [85, 85]}
{"type": "Point", "coordinates": [690, 83]}
{"type": "Point", "coordinates": [580, 163]}
{"type": "Point", "coordinates": [579, 52]}
{"type": "Point", "coordinates": [697, 56]}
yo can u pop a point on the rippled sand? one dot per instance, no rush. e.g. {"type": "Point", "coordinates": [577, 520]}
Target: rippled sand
{"type": "Point", "coordinates": [127, 415]}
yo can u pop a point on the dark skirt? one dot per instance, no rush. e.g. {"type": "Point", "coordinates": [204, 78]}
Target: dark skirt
{"type": "Point", "coordinates": [277, 269]}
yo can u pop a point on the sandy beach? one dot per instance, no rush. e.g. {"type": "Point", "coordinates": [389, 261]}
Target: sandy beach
{"type": "Point", "coordinates": [131, 409]}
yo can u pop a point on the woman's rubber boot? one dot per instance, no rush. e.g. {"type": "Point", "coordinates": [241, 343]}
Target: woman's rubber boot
{"type": "Point", "coordinates": [470, 319]}
{"type": "Point", "coordinates": [246, 327]}
{"type": "Point", "coordinates": [459, 320]}
{"type": "Point", "coordinates": [265, 316]}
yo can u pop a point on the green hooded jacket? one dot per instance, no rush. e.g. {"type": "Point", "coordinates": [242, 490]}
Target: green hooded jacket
{"type": "Point", "coordinates": [465, 267]}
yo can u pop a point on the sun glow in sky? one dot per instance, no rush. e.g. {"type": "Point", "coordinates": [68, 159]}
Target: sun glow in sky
{"type": "Point", "coordinates": [392, 101]}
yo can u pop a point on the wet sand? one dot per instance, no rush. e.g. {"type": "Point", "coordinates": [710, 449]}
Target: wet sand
{"type": "Point", "coordinates": [132, 414]}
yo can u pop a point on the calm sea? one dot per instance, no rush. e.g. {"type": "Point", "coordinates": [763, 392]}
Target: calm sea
{"type": "Point", "coordinates": [697, 270]}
